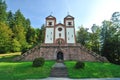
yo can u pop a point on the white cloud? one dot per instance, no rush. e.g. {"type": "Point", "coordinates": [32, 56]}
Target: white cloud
{"type": "Point", "coordinates": [101, 10]}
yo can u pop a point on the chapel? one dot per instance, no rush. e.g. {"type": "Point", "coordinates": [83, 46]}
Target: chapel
{"type": "Point", "coordinates": [60, 43]}
{"type": "Point", "coordinates": [60, 33]}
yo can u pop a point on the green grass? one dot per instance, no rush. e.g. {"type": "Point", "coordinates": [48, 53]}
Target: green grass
{"type": "Point", "coordinates": [93, 70]}
{"type": "Point", "coordinates": [23, 70]}
{"type": "Point", "coordinates": [11, 70]}
{"type": "Point", "coordinates": [8, 57]}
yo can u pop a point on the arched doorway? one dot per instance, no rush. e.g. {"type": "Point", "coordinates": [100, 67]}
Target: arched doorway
{"type": "Point", "coordinates": [60, 56]}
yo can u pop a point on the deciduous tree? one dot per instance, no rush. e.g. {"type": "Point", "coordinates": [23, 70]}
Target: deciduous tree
{"type": "Point", "coordinates": [5, 38]}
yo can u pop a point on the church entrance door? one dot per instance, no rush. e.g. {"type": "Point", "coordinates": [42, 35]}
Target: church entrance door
{"type": "Point", "coordinates": [59, 56]}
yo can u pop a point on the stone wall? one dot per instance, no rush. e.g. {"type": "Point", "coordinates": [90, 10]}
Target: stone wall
{"type": "Point", "coordinates": [70, 52]}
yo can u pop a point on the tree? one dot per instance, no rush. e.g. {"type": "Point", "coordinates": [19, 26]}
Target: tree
{"type": "Point", "coordinates": [3, 14]}
{"type": "Point", "coordinates": [95, 38]}
{"type": "Point", "coordinates": [20, 28]}
{"type": "Point", "coordinates": [116, 37]}
{"type": "Point", "coordinates": [82, 35]}
{"type": "Point", "coordinates": [27, 24]}
{"type": "Point", "coordinates": [31, 36]}
{"type": "Point", "coordinates": [19, 18]}
{"type": "Point", "coordinates": [19, 35]}
{"type": "Point", "coordinates": [116, 17]}
{"type": "Point", "coordinates": [23, 35]}
{"type": "Point", "coordinates": [110, 42]}
{"type": "Point", "coordinates": [39, 35]}
{"type": "Point", "coordinates": [10, 19]}
{"type": "Point", "coordinates": [15, 46]}
{"type": "Point", "coordinates": [42, 32]}
{"type": "Point", "coordinates": [5, 38]}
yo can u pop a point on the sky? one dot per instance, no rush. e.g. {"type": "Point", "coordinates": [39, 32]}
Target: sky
{"type": "Point", "coordinates": [86, 12]}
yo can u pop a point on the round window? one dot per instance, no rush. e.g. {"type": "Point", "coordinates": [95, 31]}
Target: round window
{"type": "Point", "coordinates": [59, 29]}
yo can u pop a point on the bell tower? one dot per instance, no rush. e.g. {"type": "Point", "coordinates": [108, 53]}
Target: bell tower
{"type": "Point", "coordinates": [70, 29]}
{"type": "Point", "coordinates": [50, 25]}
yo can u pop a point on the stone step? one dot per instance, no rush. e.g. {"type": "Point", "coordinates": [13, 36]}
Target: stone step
{"type": "Point", "coordinates": [59, 72]}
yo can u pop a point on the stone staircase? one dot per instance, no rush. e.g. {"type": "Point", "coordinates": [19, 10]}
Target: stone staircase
{"type": "Point", "coordinates": [97, 56]}
{"type": "Point", "coordinates": [37, 49]}
{"type": "Point", "coordinates": [59, 70]}
{"type": "Point", "coordinates": [27, 53]}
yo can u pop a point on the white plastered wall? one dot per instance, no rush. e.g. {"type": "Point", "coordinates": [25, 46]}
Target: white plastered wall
{"type": "Point", "coordinates": [57, 32]}
{"type": "Point", "coordinates": [49, 35]}
{"type": "Point", "coordinates": [70, 35]}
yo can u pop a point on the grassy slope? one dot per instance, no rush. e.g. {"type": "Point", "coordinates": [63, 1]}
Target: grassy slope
{"type": "Point", "coordinates": [93, 70]}
{"type": "Point", "coordinates": [8, 57]}
{"type": "Point", "coordinates": [23, 70]}
{"type": "Point", "coordinates": [10, 70]}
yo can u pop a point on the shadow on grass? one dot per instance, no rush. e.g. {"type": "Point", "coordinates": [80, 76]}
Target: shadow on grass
{"type": "Point", "coordinates": [8, 58]}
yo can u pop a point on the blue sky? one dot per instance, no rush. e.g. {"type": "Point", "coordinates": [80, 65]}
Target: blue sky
{"type": "Point", "coordinates": [86, 12]}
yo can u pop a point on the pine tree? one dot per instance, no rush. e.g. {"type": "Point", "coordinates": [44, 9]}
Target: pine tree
{"type": "Point", "coordinates": [10, 19]}
{"type": "Point", "coordinates": [3, 14]}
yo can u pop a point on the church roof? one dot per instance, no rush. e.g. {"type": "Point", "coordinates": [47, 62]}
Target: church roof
{"type": "Point", "coordinates": [59, 24]}
{"type": "Point", "coordinates": [69, 17]}
{"type": "Point", "coordinates": [50, 17]}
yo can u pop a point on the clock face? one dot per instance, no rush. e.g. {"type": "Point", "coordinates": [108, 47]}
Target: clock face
{"type": "Point", "coordinates": [59, 29]}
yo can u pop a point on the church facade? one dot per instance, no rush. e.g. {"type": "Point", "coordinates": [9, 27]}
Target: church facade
{"type": "Point", "coordinates": [60, 33]}
{"type": "Point", "coordinates": [60, 44]}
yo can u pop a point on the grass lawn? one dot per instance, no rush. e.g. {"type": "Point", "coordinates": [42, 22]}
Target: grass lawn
{"type": "Point", "coordinates": [23, 70]}
{"type": "Point", "coordinates": [93, 70]}
{"type": "Point", "coordinates": [8, 57]}
{"type": "Point", "coordinates": [10, 70]}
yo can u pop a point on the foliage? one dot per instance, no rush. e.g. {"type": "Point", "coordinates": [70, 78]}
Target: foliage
{"type": "Point", "coordinates": [93, 70]}
{"type": "Point", "coordinates": [10, 19]}
{"type": "Point", "coordinates": [16, 46]}
{"type": "Point", "coordinates": [5, 38]}
{"type": "Point", "coordinates": [24, 50]}
{"type": "Point", "coordinates": [42, 32]}
{"type": "Point", "coordinates": [19, 34]}
{"type": "Point", "coordinates": [38, 62]}
{"type": "Point", "coordinates": [31, 36]}
{"type": "Point", "coordinates": [116, 17]}
{"type": "Point", "coordinates": [89, 39]}
{"type": "Point", "coordinates": [104, 39]}
{"type": "Point", "coordinates": [3, 13]}
{"type": "Point", "coordinates": [82, 35]}
{"type": "Point", "coordinates": [95, 38]}
{"type": "Point", "coordinates": [23, 35]}
{"type": "Point", "coordinates": [79, 65]}
{"type": "Point", "coordinates": [110, 42]}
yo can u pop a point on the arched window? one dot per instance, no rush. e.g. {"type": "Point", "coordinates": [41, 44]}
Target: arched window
{"type": "Point", "coordinates": [69, 23]}
{"type": "Point", "coordinates": [50, 23]}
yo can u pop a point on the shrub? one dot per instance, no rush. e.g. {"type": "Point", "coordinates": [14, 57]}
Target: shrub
{"type": "Point", "coordinates": [38, 62]}
{"type": "Point", "coordinates": [79, 65]}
